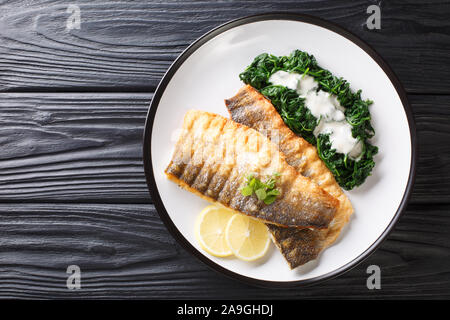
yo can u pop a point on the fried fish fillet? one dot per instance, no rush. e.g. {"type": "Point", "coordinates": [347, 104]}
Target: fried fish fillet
{"type": "Point", "coordinates": [298, 246]}
{"type": "Point", "coordinates": [214, 153]}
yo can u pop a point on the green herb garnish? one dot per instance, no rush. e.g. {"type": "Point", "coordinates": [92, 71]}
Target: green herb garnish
{"type": "Point", "coordinates": [349, 173]}
{"type": "Point", "coordinates": [264, 191]}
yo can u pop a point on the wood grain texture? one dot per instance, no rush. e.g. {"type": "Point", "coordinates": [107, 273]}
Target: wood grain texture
{"type": "Point", "coordinates": [130, 44]}
{"type": "Point", "coordinates": [72, 147]}
{"type": "Point", "coordinates": [432, 117]}
{"type": "Point", "coordinates": [124, 251]}
{"type": "Point", "coordinates": [72, 185]}
{"type": "Point", "coordinates": [82, 147]}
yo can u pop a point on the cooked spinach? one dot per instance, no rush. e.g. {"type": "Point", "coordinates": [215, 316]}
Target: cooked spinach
{"type": "Point", "coordinates": [348, 172]}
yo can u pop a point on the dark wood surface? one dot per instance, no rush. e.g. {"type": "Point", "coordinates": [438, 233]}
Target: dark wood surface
{"type": "Point", "coordinates": [72, 187]}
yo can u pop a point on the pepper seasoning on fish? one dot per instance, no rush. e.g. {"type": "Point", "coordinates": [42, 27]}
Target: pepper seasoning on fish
{"type": "Point", "coordinates": [213, 155]}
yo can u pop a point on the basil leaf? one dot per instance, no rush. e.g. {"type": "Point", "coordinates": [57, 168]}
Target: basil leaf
{"type": "Point", "coordinates": [247, 191]}
{"type": "Point", "coordinates": [261, 194]}
{"type": "Point", "coordinates": [270, 199]}
{"type": "Point", "coordinates": [273, 192]}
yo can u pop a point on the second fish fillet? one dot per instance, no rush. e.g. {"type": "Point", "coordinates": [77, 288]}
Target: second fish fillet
{"type": "Point", "coordinates": [212, 157]}
{"type": "Point", "coordinates": [252, 109]}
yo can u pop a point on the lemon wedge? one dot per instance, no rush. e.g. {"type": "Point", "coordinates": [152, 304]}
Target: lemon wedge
{"type": "Point", "coordinates": [210, 230]}
{"type": "Point", "coordinates": [247, 238]}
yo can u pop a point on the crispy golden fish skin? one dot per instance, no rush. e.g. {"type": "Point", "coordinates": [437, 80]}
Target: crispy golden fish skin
{"type": "Point", "coordinates": [298, 246]}
{"type": "Point", "coordinates": [252, 109]}
{"type": "Point", "coordinates": [213, 155]}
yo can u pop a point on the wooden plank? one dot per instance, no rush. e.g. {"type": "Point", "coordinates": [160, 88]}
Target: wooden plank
{"type": "Point", "coordinates": [124, 251]}
{"type": "Point", "coordinates": [87, 148]}
{"type": "Point", "coordinates": [128, 45]}
{"type": "Point", "coordinates": [432, 117]}
{"type": "Point", "coordinates": [73, 147]}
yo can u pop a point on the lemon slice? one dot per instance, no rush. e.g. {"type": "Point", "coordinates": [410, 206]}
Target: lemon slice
{"type": "Point", "coordinates": [210, 230]}
{"type": "Point", "coordinates": [247, 238]}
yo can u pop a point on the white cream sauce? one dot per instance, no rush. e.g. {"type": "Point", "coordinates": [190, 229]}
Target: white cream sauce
{"type": "Point", "coordinates": [302, 84]}
{"type": "Point", "coordinates": [325, 107]}
{"type": "Point", "coordinates": [340, 137]}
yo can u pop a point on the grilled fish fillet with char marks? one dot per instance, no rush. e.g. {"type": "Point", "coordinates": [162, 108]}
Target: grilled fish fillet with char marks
{"type": "Point", "coordinates": [252, 109]}
{"type": "Point", "coordinates": [212, 156]}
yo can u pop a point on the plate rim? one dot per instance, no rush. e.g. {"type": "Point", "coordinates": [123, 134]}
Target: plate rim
{"type": "Point", "coordinates": [148, 130]}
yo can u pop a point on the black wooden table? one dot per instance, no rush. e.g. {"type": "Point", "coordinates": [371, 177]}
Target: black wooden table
{"type": "Point", "coordinates": [72, 109]}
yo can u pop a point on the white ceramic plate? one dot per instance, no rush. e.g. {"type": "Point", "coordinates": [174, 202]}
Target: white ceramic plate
{"type": "Point", "coordinates": [207, 73]}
